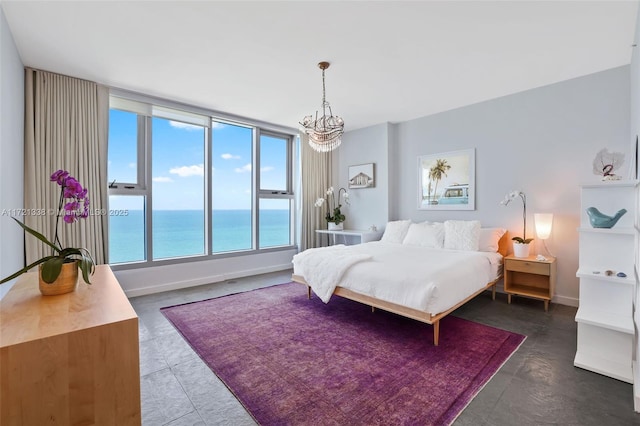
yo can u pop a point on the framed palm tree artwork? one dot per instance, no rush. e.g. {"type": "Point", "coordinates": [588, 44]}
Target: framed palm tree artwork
{"type": "Point", "coordinates": [446, 181]}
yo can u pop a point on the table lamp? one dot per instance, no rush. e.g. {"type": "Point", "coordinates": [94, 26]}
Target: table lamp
{"type": "Point", "coordinates": [543, 227]}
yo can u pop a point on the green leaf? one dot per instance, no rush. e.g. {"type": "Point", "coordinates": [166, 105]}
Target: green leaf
{"type": "Point", "coordinates": [522, 240]}
{"type": "Point", "coordinates": [86, 267]}
{"type": "Point", "coordinates": [26, 269]}
{"type": "Point", "coordinates": [37, 235]}
{"type": "Point", "coordinates": [51, 269]}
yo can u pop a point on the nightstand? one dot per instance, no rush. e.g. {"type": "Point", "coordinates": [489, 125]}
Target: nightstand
{"type": "Point", "coordinates": [526, 276]}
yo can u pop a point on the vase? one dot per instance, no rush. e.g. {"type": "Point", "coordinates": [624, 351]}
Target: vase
{"type": "Point", "coordinates": [332, 226]}
{"type": "Point", "coordinates": [520, 250]}
{"type": "Point", "coordinates": [65, 283]}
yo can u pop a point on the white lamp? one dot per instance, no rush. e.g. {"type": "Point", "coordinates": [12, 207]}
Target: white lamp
{"type": "Point", "coordinates": [543, 227]}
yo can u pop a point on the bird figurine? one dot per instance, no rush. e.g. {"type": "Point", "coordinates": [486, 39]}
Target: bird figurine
{"type": "Point", "coordinates": [601, 220]}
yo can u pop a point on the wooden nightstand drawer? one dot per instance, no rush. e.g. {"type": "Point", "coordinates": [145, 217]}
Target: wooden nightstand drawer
{"type": "Point", "coordinates": [527, 266]}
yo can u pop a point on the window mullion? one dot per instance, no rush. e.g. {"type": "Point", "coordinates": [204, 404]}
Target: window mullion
{"type": "Point", "coordinates": [255, 208]}
{"type": "Point", "coordinates": [208, 189]}
{"type": "Point", "coordinates": [148, 207]}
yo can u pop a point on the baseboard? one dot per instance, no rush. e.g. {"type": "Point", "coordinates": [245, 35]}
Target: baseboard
{"type": "Point", "coordinates": [177, 285]}
{"type": "Point", "coordinates": [568, 301]}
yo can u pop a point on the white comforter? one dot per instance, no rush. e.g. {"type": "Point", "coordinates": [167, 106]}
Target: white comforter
{"type": "Point", "coordinates": [430, 280]}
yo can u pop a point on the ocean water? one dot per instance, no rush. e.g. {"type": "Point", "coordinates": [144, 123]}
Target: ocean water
{"type": "Point", "coordinates": [180, 233]}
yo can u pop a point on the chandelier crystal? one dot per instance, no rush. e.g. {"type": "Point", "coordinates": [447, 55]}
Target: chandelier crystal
{"type": "Point", "coordinates": [325, 133]}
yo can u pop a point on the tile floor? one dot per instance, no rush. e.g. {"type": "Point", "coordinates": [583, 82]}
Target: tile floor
{"type": "Point", "coordinates": [538, 386]}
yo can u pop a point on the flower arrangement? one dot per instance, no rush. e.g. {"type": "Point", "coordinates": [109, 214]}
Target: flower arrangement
{"type": "Point", "coordinates": [73, 205]}
{"type": "Point", "coordinates": [333, 213]}
{"type": "Point", "coordinates": [507, 199]}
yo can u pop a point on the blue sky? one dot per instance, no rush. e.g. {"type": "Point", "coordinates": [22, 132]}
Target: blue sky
{"type": "Point", "coordinates": [178, 163]}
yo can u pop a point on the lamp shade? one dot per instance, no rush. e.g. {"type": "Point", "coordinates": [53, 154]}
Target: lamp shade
{"type": "Point", "coordinates": [543, 224]}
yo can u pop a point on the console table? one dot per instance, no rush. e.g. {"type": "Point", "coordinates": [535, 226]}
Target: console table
{"type": "Point", "coordinates": [69, 359]}
{"type": "Point", "coordinates": [353, 235]}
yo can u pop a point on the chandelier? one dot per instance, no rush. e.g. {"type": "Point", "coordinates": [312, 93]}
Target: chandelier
{"type": "Point", "coordinates": [325, 133]}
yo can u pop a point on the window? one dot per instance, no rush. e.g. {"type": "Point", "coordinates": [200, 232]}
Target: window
{"type": "Point", "coordinates": [232, 187]}
{"type": "Point", "coordinates": [183, 184]}
{"type": "Point", "coordinates": [177, 185]}
{"type": "Point", "coordinates": [276, 195]}
{"type": "Point", "coordinates": [126, 229]}
{"type": "Point", "coordinates": [123, 147]}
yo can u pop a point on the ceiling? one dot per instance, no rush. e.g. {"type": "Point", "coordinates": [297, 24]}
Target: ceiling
{"type": "Point", "coordinates": [391, 61]}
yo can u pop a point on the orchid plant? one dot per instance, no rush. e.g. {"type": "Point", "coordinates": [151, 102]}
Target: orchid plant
{"type": "Point", "coordinates": [73, 205]}
{"type": "Point", "coordinates": [507, 199]}
{"type": "Point", "coordinates": [333, 213]}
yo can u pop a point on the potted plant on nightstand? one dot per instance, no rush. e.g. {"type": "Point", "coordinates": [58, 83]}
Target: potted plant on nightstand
{"type": "Point", "coordinates": [520, 244]}
{"type": "Point", "coordinates": [334, 216]}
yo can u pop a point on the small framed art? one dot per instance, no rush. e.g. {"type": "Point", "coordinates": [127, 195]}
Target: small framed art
{"type": "Point", "coordinates": [361, 176]}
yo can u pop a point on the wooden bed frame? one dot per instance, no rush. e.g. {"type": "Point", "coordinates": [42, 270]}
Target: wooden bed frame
{"type": "Point", "coordinates": [426, 317]}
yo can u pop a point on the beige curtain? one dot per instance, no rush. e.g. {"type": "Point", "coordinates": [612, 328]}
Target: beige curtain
{"type": "Point", "coordinates": [66, 127]}
{"type": "Point", "coordinates": [316, 179]}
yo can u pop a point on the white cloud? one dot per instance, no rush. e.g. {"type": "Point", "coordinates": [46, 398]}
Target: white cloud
{"type": "Point", "coordinates": [243, 169]}
{"type": "Point", "coordinates": [162, 179]}
{"type": "Point", "coordinates": [267, 169]}
{"type": "Point", "coordinates": [186, 171]}
{"type": "Point", "coordinates": [132, 165]}
{"type": "Point", "coordinates": [184, 126]}
{"type": "Point", "coordinates": [217, 125]}
{"type": "Point", "coordinates": [227, 156]}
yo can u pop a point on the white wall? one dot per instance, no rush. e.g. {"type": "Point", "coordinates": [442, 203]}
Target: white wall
{"type": "Point", "coordinates": [369, 206]}
{"type": "Point", "coordinates": [11, 153]}
{"type": "Point", "coordinates": [541, 141]}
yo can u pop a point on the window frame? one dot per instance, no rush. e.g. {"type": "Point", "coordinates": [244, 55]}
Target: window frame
{"type": "Point", "coordinates": [145, 106]}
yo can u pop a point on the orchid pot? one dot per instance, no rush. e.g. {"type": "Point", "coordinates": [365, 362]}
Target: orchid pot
{"type": "Point", "coordinates": [332, 226]}
{"type": "Point", "coordinates": [520, 249]}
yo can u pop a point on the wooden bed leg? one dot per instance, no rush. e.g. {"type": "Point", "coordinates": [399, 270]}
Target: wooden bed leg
{"type": "Point", "coordinates": [308, 292]}
{"type": "Point", "coordinates": [493, 292]}
{"type": "Point", "coordinates": [373, 309]}
{"type": "Point", "coordinates": [436, 332]}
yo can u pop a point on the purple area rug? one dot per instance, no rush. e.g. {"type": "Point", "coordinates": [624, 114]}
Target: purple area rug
{"type": "Point", "coordinates": [290, 360]}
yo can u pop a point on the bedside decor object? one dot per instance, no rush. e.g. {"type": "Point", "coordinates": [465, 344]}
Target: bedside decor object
{"type": "Point", "coordinates": [520, 244]}
{"type": "Point", "coordinates": [446, 181]}
{"type": "Point", "coordinates": [59, 271]}
{"type": "Point", "coordinates": [606, 163]}
{"type": "Point", "coordinates": [361, 176]}
{"type": "Point", "coordinates": [325, 133]}
{"type": "Point", "coordinates": [334, 216]}
{"type": "Point", "coordinates": [544, 222]}
{"type": "Point", "coordinates": [601, 220]}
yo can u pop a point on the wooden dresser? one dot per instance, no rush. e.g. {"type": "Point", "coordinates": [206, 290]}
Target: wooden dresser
{"type": "Point", "coordinates": [70, 359]}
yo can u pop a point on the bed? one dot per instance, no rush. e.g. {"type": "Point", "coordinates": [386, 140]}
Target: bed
{"type": "Point", "coordinates": [424, 282]}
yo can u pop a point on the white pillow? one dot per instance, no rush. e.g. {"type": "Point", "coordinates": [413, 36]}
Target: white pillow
{"type": "Point", "coordinates": [395, 231]}
{"type": "Point", "coordinates": [462, 235]}
{"type": "Point", "coordinates": [425, 235]}
{"type": "Point", "coordinates": [489, 238]}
